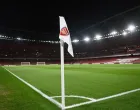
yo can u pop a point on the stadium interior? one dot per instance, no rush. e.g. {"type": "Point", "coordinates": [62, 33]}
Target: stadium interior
{"type": "Point", "coordinates": [109, 47]}
{"type": "Point", "coordinates": [13, 52]}
{"type": "Point", "coordinates": [104, 74]}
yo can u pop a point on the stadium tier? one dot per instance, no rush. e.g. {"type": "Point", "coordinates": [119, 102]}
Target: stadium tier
{"type": "Point", "coordinates": [104, 51]}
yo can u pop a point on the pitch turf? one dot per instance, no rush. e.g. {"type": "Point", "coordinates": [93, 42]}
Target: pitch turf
{"type": "Point", "coordinates": [93, 81]}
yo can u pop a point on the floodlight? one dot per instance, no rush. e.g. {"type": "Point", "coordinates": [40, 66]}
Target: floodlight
{"type": "Point", "coordinates": [86, 39]}
{"type": "Point", "coordinates": [124, 33]}
{"type": "Point", "coordinates": [18, 38]}
{"type": "Point", "coordinates": [113, 33]}
{"type": "Point", "coordinates": [131, 28]}
{"type": "Point", "coordinates": [98, 37]}
{"type": "Point", "coordinates": [75, 40]}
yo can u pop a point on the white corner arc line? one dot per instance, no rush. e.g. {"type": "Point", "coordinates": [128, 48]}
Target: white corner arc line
{"type": "Point", "coordinates": [101, 99]}
{"type": "Point", "coordinates": [75, 96]}
{"type": "Point", "coordinates": [37, 90]}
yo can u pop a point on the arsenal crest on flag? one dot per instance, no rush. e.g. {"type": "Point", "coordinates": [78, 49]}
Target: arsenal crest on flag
{"type": "Point", "coordinates": [65, 35]}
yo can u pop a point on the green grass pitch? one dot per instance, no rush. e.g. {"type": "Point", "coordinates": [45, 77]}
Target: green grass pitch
{"type": "Point", "coordinates": [92, 81]}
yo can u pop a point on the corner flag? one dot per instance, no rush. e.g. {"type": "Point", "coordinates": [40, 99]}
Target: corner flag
{"type": "Point", "coordinates": [64, 36]}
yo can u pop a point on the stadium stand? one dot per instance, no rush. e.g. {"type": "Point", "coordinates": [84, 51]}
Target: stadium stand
{"type": "Point", "coordinates": [116, 50]}
{"type": "Point", "coordinates": [14, 54]}
{"type": "Point", "coordinates": [136, 61]}
{"type": "Point", "coordinates": [111, 49]}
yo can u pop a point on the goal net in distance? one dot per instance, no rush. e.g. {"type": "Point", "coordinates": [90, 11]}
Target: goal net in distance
{"type": "Point", "coordinates": [25, 63]}
{"type": "Point", "coordinates": [40, 63]}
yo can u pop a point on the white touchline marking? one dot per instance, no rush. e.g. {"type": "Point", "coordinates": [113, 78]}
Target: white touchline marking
{"type": "Point", "coordinates": [75, 96]}
{"type": "Point", "coordinates": [120, 94]}
{"type": "Point", "coordinates": [101, 99]}
{"type": "Point", "coordinates": [37, 90]}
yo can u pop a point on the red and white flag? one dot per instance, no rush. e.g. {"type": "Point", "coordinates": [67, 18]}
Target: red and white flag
{"type": "Point", "coordinates": [65, 35]}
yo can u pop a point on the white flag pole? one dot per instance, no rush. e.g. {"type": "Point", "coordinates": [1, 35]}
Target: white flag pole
{"type": "Point", "coordinates": [62, 75]}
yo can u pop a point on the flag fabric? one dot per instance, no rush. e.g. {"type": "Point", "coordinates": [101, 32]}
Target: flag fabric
{"type": "Point", "coordinates": [65, 35]}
